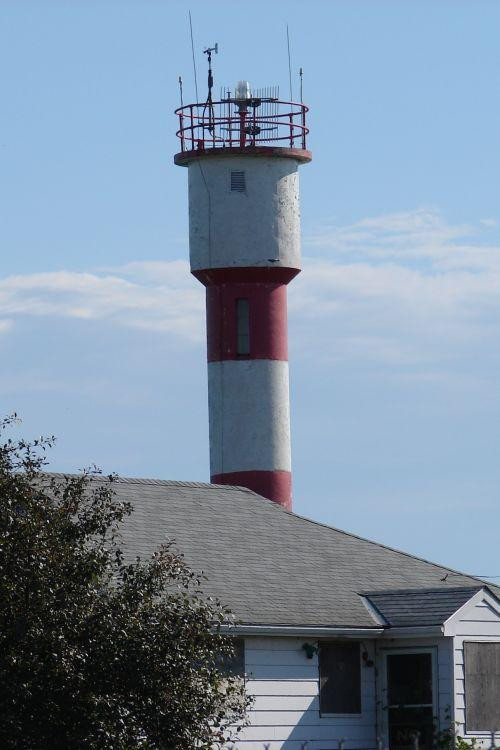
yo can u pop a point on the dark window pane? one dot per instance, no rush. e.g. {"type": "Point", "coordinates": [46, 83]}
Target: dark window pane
{"type": "Point", "coordinates": [482, 687]}
{"type": "Point", "coordinates": [405, 723]}
{"type": "Point", "coordinates": [242, 326]}
{"type": "Point", "coordinates": [340, 678]}
{"type": "Point", "coordinates": [409, 679]}
{"type": "Point", "coordinates": [234, 666]}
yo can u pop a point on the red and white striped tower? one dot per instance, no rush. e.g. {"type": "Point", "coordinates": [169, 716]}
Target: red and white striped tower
{"type": "Point", "coordinates": [242, 155]}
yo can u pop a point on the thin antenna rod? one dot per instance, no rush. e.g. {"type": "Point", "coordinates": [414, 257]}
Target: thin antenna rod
{"type": "Point", "coordinates": [194, 59]}
{"type": "Point", "coordinates": [289, 63]}
{"type": "Point", "coordinates": [301, 74]}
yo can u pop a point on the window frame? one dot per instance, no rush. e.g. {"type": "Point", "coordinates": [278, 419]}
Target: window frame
{"type": "Point", "coordinates": [331, 714]}
{"type": "Point", "coordinates": [468, 732]}
{"type": "Point", "coordinates": [242, 334]}
{"type": "Point", "coordinates": [383, 675]}
{"type": "Point", "coordinates": [227, 667]}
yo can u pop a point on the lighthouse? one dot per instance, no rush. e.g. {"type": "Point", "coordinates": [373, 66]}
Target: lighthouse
{"type": "Point", "coordinates": [242, 154]}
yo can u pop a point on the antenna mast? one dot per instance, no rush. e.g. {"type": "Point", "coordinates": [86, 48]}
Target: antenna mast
{"type": "Point", "coordinates": [209, 103]}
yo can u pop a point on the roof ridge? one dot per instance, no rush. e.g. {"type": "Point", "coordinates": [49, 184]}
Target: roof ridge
{"type": "Point", "coordinates": [390, 549]}
{"type": "Point", "coordinates": [144, 480]}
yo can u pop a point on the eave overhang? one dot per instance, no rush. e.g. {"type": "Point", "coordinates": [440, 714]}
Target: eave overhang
{"type": "Point", "coordinates": [306, 631]}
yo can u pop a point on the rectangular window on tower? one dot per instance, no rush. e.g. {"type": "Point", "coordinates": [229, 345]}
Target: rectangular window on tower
{"type": "Point", "coordinates": [242, 326]}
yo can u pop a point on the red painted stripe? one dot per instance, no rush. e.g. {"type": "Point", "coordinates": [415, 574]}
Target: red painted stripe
{"type": "Point", "coordinates": [183, 158]}
{"type": "Point", "coordinates": [245, 275]}
{"type": "Point", "coordinates": [267, 321]}
{"type": "Point", "coordinates": [265, 289]}
{"type": "Point", "coordinates": [275, 485]}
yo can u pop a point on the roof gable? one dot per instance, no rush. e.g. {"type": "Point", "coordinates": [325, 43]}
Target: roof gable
{"type": "Point", "coordinates": [420, 607]}
{"type": "Point", "coordinates": [484, 606]}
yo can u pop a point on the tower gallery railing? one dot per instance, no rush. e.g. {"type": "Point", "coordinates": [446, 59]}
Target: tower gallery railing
{"type": "Point", "coordinates": [241, 123]}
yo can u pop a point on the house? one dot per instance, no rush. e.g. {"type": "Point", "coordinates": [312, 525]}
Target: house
{"type": "Point", "coordinates": [341, 638]}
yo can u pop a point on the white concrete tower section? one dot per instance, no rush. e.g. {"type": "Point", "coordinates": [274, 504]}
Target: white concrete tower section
{"type": "Point", "coordinates": [242, 156]}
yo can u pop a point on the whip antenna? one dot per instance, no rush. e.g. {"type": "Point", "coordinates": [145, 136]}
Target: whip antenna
{"type": "Point", "coordinates": [289, 63]}
{"type": "Point", "coordinates": [194, 59]}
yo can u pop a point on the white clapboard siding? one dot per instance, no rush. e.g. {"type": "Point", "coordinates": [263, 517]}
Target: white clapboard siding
{"type": "Point", "coordinates": [261, 643]}
{"type": "Point", "coordinates": [283, 657]}
{"type": "Point", "coordinates": [479, 621]}
{"type": "Point", "coordinates": [472, 630]}
{"type": "Point", "coordinates": [299, 702]}
{"type": "Point", "coordinates": [286, 702]}
{"type": "Point", "coordinates": [293, 744]}
{"type": "Point", "coordinates": [282, 672]}
{"type": "Point", "coordinates": [305, 733]}
{"type": "Point", "coordinates": [306, 718]}
{"type": "Point", "coordinates": [284, 685]}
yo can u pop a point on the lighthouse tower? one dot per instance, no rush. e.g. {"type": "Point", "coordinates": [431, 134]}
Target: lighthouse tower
{"type": "Point", "coordinates": [242, 155]}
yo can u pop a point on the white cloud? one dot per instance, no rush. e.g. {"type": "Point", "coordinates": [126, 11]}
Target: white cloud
{"type": "Point", "coordinates": [153, 296]}
{"type": "Point", "coordinates": [403, 290]}
{"type": "Point", "coordinates": [5, 325]}
{"type": "Point", "coordinates": [415, 236]}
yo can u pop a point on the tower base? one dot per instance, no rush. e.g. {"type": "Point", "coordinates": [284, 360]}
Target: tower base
{"type": "Point", "coordinates": [275, 485]}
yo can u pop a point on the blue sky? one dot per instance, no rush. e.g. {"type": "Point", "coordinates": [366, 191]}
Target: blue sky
{"type": "Point", "coordinates": [395, 320]}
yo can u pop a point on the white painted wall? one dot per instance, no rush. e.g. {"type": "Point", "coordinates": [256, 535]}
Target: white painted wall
{"type": "Point", "coordinates": [285, 714]}
{"type": "Point", "coordinates": [478, 622]}
{"type": "Point", "coordinates": [285, 684]}
{"type": "Point", "coordinates": [258, 227]}
{"type": "Point", "coordinates": [249, 416]}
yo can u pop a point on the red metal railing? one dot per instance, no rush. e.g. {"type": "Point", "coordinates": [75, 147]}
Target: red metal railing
{"type": "Point", "coordinates": [232, 123]}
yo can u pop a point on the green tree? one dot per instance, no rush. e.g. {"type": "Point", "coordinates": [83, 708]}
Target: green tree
{"type": "Point", "coordinates": [97, 653]}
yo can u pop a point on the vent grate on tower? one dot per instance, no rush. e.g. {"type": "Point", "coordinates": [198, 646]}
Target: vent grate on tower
{"type": "Point", "coordinates": [238, 181]}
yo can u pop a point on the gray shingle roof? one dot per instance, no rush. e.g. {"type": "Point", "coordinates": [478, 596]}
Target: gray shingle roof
{"type": "Point", "coordinates": [421, 607]}
{"type": "Point", "coordinates": [268, 565]}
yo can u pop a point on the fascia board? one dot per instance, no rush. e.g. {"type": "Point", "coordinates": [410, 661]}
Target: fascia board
{"type": "Point", "coordinates": [303, 631]}
{"type": "Point", "coordinates": [413, 631]}
{"type": "Point", "coordinates": [484, 594]}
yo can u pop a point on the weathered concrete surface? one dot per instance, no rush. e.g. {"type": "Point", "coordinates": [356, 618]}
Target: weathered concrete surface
{"type": "Point", "coordinates": [249, 415]}
{"type": "Point", "coordinates": [258, 227]}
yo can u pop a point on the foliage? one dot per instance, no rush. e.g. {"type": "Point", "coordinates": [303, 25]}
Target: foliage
{"type": "Point", "coordinates": [97, 652]}
{"type": "Point", "coordinates": [448, 739]}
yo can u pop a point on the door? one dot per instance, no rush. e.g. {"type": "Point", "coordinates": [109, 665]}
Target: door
{"type": "Point", "coordinates": [410, 699]}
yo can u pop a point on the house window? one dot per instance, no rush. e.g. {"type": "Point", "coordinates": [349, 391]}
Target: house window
{"type": "Point", "coordinates": [339, 678]}
{"type": "Point", "coordinates": [242, 326]}
{"type": "Point", "coordinates": [234, 666]}
{"type": "Point", "coordinates": [482, 687]}
{"type": "Point", "coordinates": [238, 182]}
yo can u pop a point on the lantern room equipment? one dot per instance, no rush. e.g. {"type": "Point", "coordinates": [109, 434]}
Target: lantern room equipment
{"type": "Point", "coordinates": [242, 153]}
